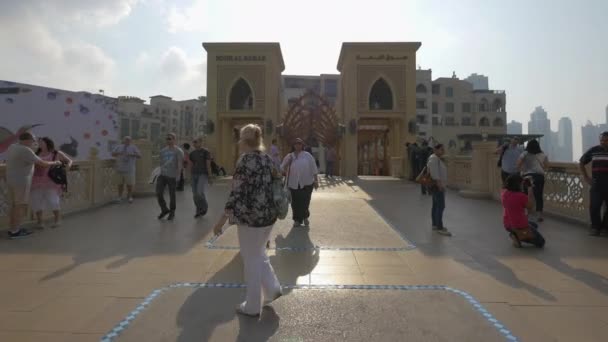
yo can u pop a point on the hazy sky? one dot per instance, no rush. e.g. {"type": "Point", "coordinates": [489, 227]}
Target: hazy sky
{"type": "Point", "coordinates": [549, 53]}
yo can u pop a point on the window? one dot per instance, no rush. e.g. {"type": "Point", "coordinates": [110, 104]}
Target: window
{"type": "Point", "coordinates": [331, 88]}
{"type": "Point", "coordinates": [420, 104]}
{"type": "Point", "coordinates": [421, 89]}
{"type": "Point", "coordinates": [421, 119]}
{"type": "Point", "coordinates": [154, 130]}
{"type": "Point", "coordinates": [498, 122]}
{"type": "Point", "coordinates": [449, 121]}
{"type": "Point", "coordinates": [125, 127]}
{"type": "Point", "coordinates": [241, 96]}
{"type": "Point", "coordinates": [135, 129]}
{"type": "Point", "coordinates": [466, 107]}
{"type": "Point", "coordinates": [436, 89]}
{"type": "Point", "coordinates": [484, 122]}
{"type": "Point", "coordinates": [435, 108]}
{"type": "Point", "coordinates": [435, 121]}
{"type": "Point", "coordinates": [497, 106]}
{"type": "Point", "coordinates": [381, 96]}
{"type": "Point", "coordinates": [466, 121]}
{"type": "Point", "coordinates": [449, 92]}
{"type": "Point", "coordinates": [483, 105]}
{"type": "Point", "coordinates": [449, 107]}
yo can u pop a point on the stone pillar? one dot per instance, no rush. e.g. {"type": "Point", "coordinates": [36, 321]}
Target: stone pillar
{"type": "Point", "coordinates": [144, 169]}
{"type": "Point", "coordinates": [480, 170]}
{"type": "Point", "coordinates": [396, 167]}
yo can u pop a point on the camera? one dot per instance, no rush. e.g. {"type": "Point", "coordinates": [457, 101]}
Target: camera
{"type": "Point", "coordinates": [528, 182]}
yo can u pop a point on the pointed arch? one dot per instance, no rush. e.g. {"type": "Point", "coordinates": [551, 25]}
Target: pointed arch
{"type": "Point", "coordinates": [381, 95]}
{"type": "Point", "coordinates": [498, 122]}
{"type": "Point", "coordinates": [421, 88]}
{"type": "Point", "coordinates": [241, 95]}
{"type": "Point", "coordinates": [484, 122]}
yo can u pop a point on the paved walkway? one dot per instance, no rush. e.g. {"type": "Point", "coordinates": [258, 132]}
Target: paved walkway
{"type": "Point", "coordinates": [78, 282]}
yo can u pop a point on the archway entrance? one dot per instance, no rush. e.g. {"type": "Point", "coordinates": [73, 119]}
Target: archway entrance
{"type": "Point", "coordinates": [313, 119]}
{"type": "Point", "coordinates": [372, 147]}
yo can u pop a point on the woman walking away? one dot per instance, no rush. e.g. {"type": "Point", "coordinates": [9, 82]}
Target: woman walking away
{"type": "Point", "coordinates": [301, 170]}
{"type": "Point", "coordinates": [515, 203]}
{"type": "Point", "coordinates": [46, 194]}
{"type": "Point", "coordinates": [439, 173]}
{"type": "Point", "coordinates": [533, 163]}
{"type": "Point", "coordinates": [251, 206]}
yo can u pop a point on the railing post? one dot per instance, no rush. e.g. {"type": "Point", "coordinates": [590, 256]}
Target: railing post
{"type": "Point", "coordinates": [480, 172]}
{"type": "Point", "coordinates": [144, 168]}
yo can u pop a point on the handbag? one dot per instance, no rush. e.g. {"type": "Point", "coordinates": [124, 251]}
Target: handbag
{"type": "Point", "coordinates": [424, 178]}
{"type": "Point", "coordinates": [58, 174]}
{"type": "Point", "coordinates": [281, 196]}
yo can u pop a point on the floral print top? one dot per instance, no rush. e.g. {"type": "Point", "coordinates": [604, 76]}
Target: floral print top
{"type": "Point", "coordinates": [251, 199]}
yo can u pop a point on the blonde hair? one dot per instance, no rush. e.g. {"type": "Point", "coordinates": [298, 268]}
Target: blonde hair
{"type": "Point", "coordinates": [251, 135]}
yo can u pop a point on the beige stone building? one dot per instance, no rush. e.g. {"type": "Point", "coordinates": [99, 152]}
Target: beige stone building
{"type": "Point", "coordinates": [462, 115]}
{"type": "Point", "coordinates": [374, 111]}
{"type": "Point", "coordinates": [163, 115]}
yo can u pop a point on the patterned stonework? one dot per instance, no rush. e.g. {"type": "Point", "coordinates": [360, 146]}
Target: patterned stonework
{"type": "Point", "coordinates": [227, 75]}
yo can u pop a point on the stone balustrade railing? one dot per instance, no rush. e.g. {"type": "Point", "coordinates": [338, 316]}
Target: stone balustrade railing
{"type": "Point", "coordinates": [566, 194]}
{"type": "Point", "coordinates": [91, 183]}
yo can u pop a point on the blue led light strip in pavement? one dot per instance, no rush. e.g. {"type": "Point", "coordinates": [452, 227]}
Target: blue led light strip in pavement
{"type": "Point", "coordinates": [124, 324]}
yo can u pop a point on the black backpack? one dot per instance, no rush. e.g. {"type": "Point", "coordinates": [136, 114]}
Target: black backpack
{"type": "Point", "coordinates": [58, 174]}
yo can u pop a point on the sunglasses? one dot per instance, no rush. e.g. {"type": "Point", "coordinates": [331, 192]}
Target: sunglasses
{"type": "Point", "coordinates": [168, 138]}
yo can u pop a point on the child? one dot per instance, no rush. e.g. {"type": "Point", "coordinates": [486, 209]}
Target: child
{"type": "Point", "coordinates": [515, 203]}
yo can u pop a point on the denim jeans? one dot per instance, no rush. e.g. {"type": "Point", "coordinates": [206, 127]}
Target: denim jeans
{"type": "Point", "coordinates": [438, 207]}
{"type": "Point", "coordinates": [199, 186]}
{"type": "Point", "coordinates": [598, 196]}
{"type": "Point", "coordinates": [161, 183]}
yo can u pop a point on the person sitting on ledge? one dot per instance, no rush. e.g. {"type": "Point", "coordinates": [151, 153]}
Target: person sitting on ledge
{"type": "Point", "coordinates": [515, 202]}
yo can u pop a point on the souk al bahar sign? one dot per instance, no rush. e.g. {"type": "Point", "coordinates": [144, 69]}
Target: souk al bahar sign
{"type": "Point", "coordinates": [230, 58]}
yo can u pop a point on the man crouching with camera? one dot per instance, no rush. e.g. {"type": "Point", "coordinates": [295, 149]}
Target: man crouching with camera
{"type": "Point", "coordinates": [514, 203]}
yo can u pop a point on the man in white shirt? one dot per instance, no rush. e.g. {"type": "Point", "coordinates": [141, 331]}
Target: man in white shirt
{"type": "Point", "coordinates": [126, 155]}
{"type": "Point", "coordinates": [19, 171]}
{"type": "Point", "coordinates": [301, 169]}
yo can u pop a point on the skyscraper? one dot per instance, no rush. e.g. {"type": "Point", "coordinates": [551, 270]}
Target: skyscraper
{"type": "Point", "coordinates": [479, 82]}
{"type": "Point", "coordinates": [590, 133]}
{"type": "Point", "coordinates": [540, 124]}
{"type": "Point", "coordinates": [514, 127]}
{"type": "Point", "coordinates": [564, 140]}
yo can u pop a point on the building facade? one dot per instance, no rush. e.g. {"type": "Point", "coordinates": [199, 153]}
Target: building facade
{"type": "Point", "coordinates": [424, 100]}
{"type": "Point", "coordinates": [163, 115]}
{"type": "Point", "coordinates": [462, 115]}
{"type": "Point", "coordinates": [514, 127]}
{"type": "Point", "coordinates": [540, 124]}
{"type": "Point", "coordinates": [564, 152]}
{"type": "Point", "coordinates": [479, 82]}
{"type": "Point", "coordinates": [366, 111]}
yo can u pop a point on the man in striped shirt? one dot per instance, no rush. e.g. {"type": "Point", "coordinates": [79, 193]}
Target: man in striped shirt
{"type": "Point", "coordinates": [598, 157]}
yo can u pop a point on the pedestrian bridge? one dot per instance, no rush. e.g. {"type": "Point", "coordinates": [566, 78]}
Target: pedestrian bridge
{"type": "Point", "coordinates": [369, 268]}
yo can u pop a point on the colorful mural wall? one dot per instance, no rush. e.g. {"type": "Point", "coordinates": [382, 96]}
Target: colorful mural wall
{"type": "Point", "coordinates": [80, 123]}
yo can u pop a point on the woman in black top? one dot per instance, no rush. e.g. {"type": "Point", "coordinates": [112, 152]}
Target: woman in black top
{"type": "Point", "coordinates": [251, 207]}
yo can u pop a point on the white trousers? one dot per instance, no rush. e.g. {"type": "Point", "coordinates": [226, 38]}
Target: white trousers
{"type": "Point", "coordinates": [259, 274]}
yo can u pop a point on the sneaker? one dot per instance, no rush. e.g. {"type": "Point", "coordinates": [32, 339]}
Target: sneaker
{"type": "Point", "coordinates": [516, 242]}
{"type": "Point", "coordinates": [297, 224]}
{"type": "Point", "coordinates": [130, 199]}
{"type": "Point", "coordinates": [118, 200]}
{"type": "Point", "coordinates": [240, 309]}
{"type": "Point", "coordinates": [21, 233]}
{"type": "Point", "coordinates": [594, 232]}
{"type": "Point", "coordinates": [435, 228]}
{"type": "Point", "coordinates": [275, 297]}
{"type": "Point", "coordinates": [443, 231]}
{"type": "Point", "coordinates": [56, 224]}
{"type": "Point", "coordinates": [163, 214]}
{"type": "Point", "coordinates": [306, 222]}
{"type": "Point", "coordinates": [540, 220]}
{"type": "Point", "coordinates": [171, 216]}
